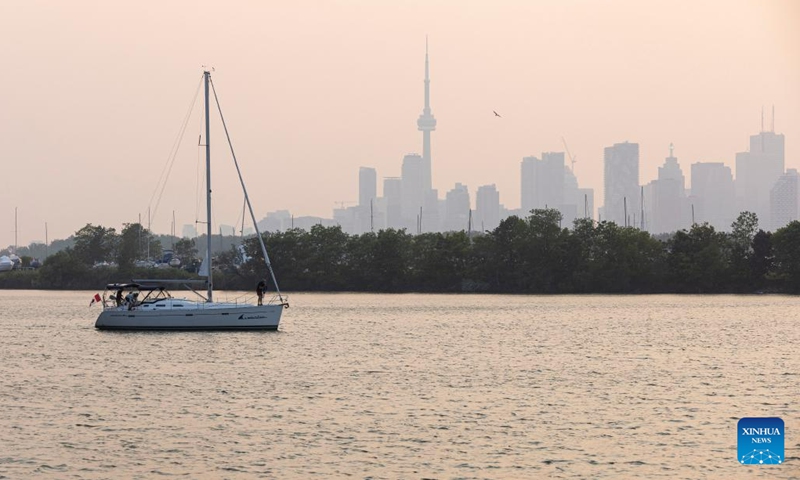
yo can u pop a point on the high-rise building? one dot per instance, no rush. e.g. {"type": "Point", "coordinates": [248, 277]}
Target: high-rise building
{"type": "Point", "coordinates": [431, 216]}
{"type": "Point", "coordinates": [277, 221]}
{"type": "Point", "coordinates": [347, 219]}
{"type": "Point", "coordinates": [364, 212]}
{"type": "Point", "coordinates": [393, 198]}
{"type": "Point", "coordinates": [413, 196]}
{"type": "Point", "coordinates": [572, 206]}
{"type": "Point", "coordinates": [542, 182]}
{"type": "Point", "coordinates": [426, 123]}
{"type": "Point", "coordinates": [527, 189]}
{"type": "Point", "coordinates": [668, 200]}
{"type": "Point", "coordinates": [189, 231]}
{"type": "Point", "coordinates": [713, 195]}
{"type": "Point", "coordinates": [367, 186]}
{"type": "Point", "coordinates": [487, 208]}
{"type": "Point", "coordinates": [551, 182]}
{"type": "Point", "coordinates": [457, 208]}
{"type": "Point", "coordinates": [621, 181]}
{"type": "Point", "coordinates": [757, 170]}
{"type": "Point", "coordinates": [784, 199]}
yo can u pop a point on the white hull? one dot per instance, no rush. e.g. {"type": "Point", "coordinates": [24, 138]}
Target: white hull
{"type": "Point", "coordinates": [6, 264]}
{"type": "Point", "coordinates": [213, 317]}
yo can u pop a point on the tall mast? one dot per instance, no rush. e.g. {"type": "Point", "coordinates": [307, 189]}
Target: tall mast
{"type": "Point", "coordinates": [246, 199]}
{"type": "Point", "coordinates": [210, 281]}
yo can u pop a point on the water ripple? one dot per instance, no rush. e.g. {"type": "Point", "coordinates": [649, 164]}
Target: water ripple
{"type": "Point", "coordinates": [401, 386]}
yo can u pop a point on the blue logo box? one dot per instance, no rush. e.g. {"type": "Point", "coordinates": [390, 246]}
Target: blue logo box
{"type": "Point", "coordinates": [761, 441]}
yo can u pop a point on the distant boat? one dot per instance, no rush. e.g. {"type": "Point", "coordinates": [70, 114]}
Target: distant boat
{"type": "Point", "coordinates": [6, 264]}
{"type": "Point", "coordinates": [123, 309]}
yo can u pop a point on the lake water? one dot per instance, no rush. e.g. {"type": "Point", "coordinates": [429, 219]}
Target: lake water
{"type": "Point", "coordinates": [403, 386]}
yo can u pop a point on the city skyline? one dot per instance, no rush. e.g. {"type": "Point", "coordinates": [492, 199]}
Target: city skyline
{"type": "Point", "coordinates": [93, 138]}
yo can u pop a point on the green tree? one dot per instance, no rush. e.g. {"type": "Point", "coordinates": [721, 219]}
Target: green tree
{"type": "Point", "coordinates": [544, 260]}
{"type": "Point", "coordinates": [94, 244]}
{"type": "Point", "coordinates": [360, 257]}
{"type": "Point", "coordinates": [288, 253]}
{"type": "Point", "coordinates": [619, 259]}
{"type": "Point", "coordinates": [502, 256]}
{"type": "Point", "coordinates": [785, 243]}
{"type": "Point", "coordinates": [696, 260]}
{"type": "Point", "coordinates": [390, 260]}
{"type": "Point", "coordinates": [64, 270]}
{"type": "Point", "coordinates": [761, 260]}
{"type": "Point", "coordinates": [133, 246]}
{"type": "Point", "coordinates": [580, 251]}
{"type": "Point", "coordinates": [326, 265]}
{"type": "Point", "coordinates": [186, 250]}
{"type": "Point", "coordinates": [438, 261]}
{"type": "Point", "coordinates": [740, 250]}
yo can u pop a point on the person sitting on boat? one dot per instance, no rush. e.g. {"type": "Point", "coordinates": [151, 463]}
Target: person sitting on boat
{"type": "Point", "coordinates": [130, 300]}
{"type": "Point", "coordinates": [135, 300]}
{"type": "Point", "coordinates": [260, 289]}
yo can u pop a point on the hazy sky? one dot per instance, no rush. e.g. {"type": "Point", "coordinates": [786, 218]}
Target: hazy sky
{"type": "Point", "coordinates": [93, 95]}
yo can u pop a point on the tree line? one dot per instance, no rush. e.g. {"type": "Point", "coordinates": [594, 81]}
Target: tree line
{"type": "Point", "coordinates": [522, 255]}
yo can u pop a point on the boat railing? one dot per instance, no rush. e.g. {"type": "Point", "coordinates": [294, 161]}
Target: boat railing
{"type": "Point", "coordinates": [279, 300]}
{"type": "Point", "coordinates": [250, 299]}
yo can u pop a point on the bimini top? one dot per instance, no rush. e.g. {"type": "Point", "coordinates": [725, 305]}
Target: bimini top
{"type": "Point", "coordinates": [155, 284]}
{"type": "Point", "coordinates": [122, 286]}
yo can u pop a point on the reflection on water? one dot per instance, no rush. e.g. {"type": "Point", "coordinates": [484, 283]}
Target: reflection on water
{"type": "Point", "coordinates": [403, 386]}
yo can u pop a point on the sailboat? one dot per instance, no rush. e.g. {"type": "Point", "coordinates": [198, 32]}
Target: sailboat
{"type": "Point", "coordinates": [157, 309]}
{"type": "Point", "coordinates": [6, 264]}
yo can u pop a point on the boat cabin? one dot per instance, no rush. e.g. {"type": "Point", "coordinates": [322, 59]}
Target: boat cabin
{"type": "Point", "coordinates": [146, 294]}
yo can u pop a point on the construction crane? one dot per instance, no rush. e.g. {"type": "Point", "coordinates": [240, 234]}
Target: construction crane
{"type": "Point", "coordinates": [571, 158]}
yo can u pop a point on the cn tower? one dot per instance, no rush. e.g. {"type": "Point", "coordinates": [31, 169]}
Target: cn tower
{"type": "Point", "coordinates": [426, 124]}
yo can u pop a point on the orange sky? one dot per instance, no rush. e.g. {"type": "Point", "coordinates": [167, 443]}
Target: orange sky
{"type": "Point", "coordinates": [93, 95]}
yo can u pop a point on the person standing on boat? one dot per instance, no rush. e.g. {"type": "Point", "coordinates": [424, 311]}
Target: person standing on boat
{"type": "Point", "coordinates": [118, 297]}
{"type": "Point", "coordinates": [260, 289]}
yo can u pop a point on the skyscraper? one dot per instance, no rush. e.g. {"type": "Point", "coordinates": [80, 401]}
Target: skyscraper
{"type": "Point", "coordinates": [367, 196]}
{"type": "Point", "coordinates": [621, 181]}
{"type": "Point", "coordinates": [542, 182]}
{"type": "Point", "coordinates": [487, 208]}
{"type": "Point", "coordinates": [426, 124]}
{"type": "Point", "coordinates": [189, 231]}
{"type": "Point", "coordinates": [713, 195]}
{"type": "Point", "coordinates": [413, 174]}
{"type": "Point", "coordinates": [367, 186]}
{"type": "Point", "coordinates": [457, 206]}
{"type": "Point", "coordinates": [784, 199]}
{"type": "Point", "coordinates": [393, 195]}
{"type": "Point", "coordinates": [668, 207]}
{"type": "Point", "coordinates": [572, 206]}
{"type": "Point", "coordinates": [757, 170]}
{"type": "Point", "coordinates": [527, 189]}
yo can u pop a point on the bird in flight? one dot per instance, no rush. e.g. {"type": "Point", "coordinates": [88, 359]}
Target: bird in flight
{"type": "Point", "coordinates": [496, 114]}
